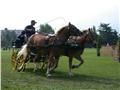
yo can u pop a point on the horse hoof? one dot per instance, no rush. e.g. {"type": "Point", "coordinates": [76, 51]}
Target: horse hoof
{"type": "Point", "coordinates": [18, 70]}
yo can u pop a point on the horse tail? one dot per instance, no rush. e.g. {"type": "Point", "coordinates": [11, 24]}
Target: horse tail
{"type": "Point", "coordinates": [23, 52]}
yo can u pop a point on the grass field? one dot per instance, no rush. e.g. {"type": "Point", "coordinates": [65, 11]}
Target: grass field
{"type": "Point", "coordinates": [97, 73]}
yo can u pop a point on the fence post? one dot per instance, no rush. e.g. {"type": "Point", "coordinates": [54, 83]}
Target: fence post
{"type": "Point", "coordinates": [98, 46]}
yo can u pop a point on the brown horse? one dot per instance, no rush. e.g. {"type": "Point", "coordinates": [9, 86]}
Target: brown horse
{"type": "Point", "coordinates": [87, 37]}
{"type": "Point", "coordinates": [41, 45]}
{"type": "Point", "coordinates": [75, 50]}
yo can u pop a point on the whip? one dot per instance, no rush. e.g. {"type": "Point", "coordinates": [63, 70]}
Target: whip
{"type": "Point", "coordinates": [53, 20]}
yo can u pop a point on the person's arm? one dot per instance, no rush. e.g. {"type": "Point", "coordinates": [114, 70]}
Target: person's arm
{"type": "Point", "coordinates": [25, 29]}
{"type": "Point", "coordinates": [33, 30]}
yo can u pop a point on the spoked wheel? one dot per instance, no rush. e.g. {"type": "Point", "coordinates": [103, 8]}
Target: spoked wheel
{"type": "Point", "coordinates": [13, 60]}
{"type": "Point", "coordinates": [20, 65]}
{"type": "Point", "coordinates": [17, 62]}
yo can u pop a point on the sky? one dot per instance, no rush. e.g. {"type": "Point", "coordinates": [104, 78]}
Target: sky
{"type": "Point", "coordinates": [16, 14]}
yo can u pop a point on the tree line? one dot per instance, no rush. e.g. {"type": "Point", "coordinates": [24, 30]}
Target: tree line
{"type": "Point", "coordinates": [105, 34]}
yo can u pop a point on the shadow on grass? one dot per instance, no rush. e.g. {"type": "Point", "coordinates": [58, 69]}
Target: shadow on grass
{"type": "Point", "coordinates": [86, 78]}
{"type": "Point", "coordinates": [60, 75]}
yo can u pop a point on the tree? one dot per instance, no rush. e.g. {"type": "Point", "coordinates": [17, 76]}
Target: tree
{"type": "Point", "coordinates": [118, 49]}
{"type": "Point", "coordinates": [98, 41]}
{"type": "Point", "coordinates": [107, 34]}
{"type": "Point", "coordinates": [4, 41]}
{"type": "Point", "coordinates": [46, 29]}
{"type": "Point", "coordinates": [7, 38]}
{"type": "Point", "coordinates": [94, 32]}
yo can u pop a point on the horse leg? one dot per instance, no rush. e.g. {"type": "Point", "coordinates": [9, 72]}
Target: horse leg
{"type": "Point", "coordinates": [35, 67]}
{"type": "Point", "coordinates": [25, 63]}
{"type": "Point", "coordinates": [50, 63]}
{"type": "Point", "coordinates": [56, 60]}
{"type": "Point", "coordinates": [35, 63]}
{"type": "Point", "coordinates": [44, 63]}
{"type": "Point", "coordinates": [27, 58]}
{"type": "Point", "coordinates": [79, 59]}
{"type": "Point", "coordinates": [70, 66]}
{"type": "Point", "coordinates": [56, 65]}
{"type": "Point", "coordinates": [22, 67]}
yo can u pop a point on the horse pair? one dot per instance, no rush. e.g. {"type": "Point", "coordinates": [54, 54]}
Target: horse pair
{"type": "Point", "coordinates": [52, 48]}
{"type": "Point", "coordinates": [74, 48]}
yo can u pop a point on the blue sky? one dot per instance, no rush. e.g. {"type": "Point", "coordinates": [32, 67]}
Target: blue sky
{"type": "Point", "coordinates": [16, 14]}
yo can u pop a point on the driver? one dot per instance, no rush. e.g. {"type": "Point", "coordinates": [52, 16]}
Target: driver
{"type": "Point", "coordinates": [30, 29]}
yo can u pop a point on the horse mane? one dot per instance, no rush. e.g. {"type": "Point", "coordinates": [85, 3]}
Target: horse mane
{"type": "Point", "coordinates": [61, 30]}
{"type": "Point", "coordinates": [84, 31]}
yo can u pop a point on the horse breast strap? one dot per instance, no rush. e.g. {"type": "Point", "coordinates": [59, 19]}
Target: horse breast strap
{"type": "Point", "coordinates": [50, 36]}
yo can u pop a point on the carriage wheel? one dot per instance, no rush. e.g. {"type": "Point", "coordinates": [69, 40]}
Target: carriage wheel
{"type": "Point", "coordinates": [17, 64]}
{"type": "Point", "coordinates": [13, 60]}
{"type": "Point", "coordinates": [20, 63]}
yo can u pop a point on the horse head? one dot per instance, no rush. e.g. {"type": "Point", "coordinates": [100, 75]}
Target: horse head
{"type": "Point", "coordinates": [73, 30]}
{"type": "Point", "coordinates": [90, 36]}
{"type": "Point", "coordinates": [65, 32]}
{"type": "Point", "coordinates": [70, 30]}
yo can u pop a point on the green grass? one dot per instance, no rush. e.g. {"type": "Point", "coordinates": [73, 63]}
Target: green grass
{"type": "Point", "coordinates": [97, 73]}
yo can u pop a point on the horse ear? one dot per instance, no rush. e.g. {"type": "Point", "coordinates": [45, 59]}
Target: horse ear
{"type": "Point", "coordinates": [69, 24]}
{"type": "Point", "coordinates": [89, 29]}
